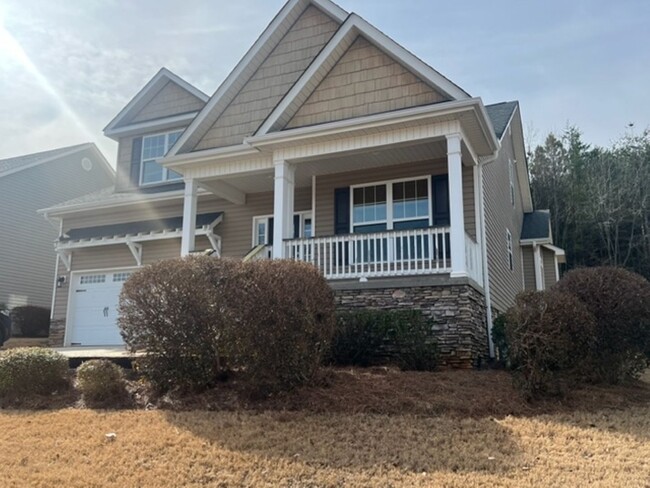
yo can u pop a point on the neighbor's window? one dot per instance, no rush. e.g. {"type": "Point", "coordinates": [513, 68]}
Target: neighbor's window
{"type": "Point", "coordinates": [511, 261]}
{"type": "Point", "coordinates": [154, 148]}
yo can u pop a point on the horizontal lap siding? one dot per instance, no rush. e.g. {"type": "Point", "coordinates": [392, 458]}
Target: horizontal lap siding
{"type": "Point", "coordinates": [529, 268]}
{"type": "Point", "coordinates": [27, 257]}
{"type": "Point", "coordinates": [259, 96]}
{"type": "Point", "coordinates": [364, 81]}
{"type": "Point", "coordinates": [548, 258]}
{"type": "Point", "coordinates": [499, 215]}
{"type": "Point", "coordinates": [170, 100]}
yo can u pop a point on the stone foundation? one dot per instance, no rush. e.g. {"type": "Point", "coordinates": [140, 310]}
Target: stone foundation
{"type": "Point", "coordinates": [457, 311]}
{"type": "Point", "coordinates": [57, 333]}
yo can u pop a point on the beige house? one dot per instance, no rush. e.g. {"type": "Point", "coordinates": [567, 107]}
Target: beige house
{"type": "Point", "coordinates": [30, 182]}
{"type": "Point", "coordinates": [327, 143]}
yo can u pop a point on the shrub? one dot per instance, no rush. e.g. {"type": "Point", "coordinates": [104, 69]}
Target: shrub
{"type": "Point", "coordinates": [368, 336]}
{"type": "Point", "coordinates": [101, 382]}
{"type": "Point", "coordinates": [282, 322]}
{"type": "Point", "coordinates": [500, 341]}
{"type": "Point", "coordinates": [620, 302]}
{"type": "Point", "coordinates": [176, 310]}
{"type": "Point", "coordinates": [550, 336]}
{"type": "Point", "coordinates": [31, 321]}
{"type": "Point", "coordinates": [26, 371]}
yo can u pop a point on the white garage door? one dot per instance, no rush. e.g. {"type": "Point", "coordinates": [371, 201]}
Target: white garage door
{"type": "Point", "coordinates": [93, 308]}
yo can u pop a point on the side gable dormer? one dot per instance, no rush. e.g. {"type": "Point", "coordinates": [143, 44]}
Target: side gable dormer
{"type": "Point", "coordinates": [165, 101]}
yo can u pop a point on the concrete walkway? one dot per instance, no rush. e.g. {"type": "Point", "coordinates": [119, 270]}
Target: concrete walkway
{"type": "Point", "coordinates": [98, 352]}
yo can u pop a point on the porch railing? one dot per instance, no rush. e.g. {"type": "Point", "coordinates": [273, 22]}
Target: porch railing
{"type": "Point", "coordinates": [389, 253]}
{"type": "Point", "coordinates": [473, 259]}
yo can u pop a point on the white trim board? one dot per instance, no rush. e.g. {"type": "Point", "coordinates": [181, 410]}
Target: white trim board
{"type": "Point", "coordinates": [353, 27]}
{"type": "Point", "coordinates": [247, 66]}
{"type": "Point", "coordinates": [146, 94]}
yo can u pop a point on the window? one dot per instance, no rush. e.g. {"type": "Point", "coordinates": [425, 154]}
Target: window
{"type": "Point", "coordinates": [92, 279]}
{"type": "Point", "coordinates": [403, 204]}
{"type": "Point", "coordinates": [121, 277]}
{"type": "Point", "coordinates": [263, 228]}
{"type": "Point", "coordinates": [153, 148]}
{"type": "Point", "coordinates": [511, 175]}
{"type": "Point", "coordinates": [511, 260]}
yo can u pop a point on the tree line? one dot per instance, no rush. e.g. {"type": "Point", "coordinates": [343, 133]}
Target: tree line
{"type": "Point", "coordinates": [599, 198]}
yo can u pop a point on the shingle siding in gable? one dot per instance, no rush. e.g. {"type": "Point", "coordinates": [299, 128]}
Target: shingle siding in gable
{"type": "Point", "coordinates": [271, 81]}
{"type": "Point", "coordinates": [170, 100]}
{"type": "Point", "coordinates": [364, 81]}
{"type": "Point", "coordinates": [27, 257]}
{"type": "Point", "coordinates": [499, 216]}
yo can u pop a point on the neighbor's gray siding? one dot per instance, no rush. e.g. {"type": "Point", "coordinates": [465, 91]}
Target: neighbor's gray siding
{"type": "Point", "coordinates": [548, 258]}
{"type": "Point", "coordinates": [272, 80]}
{"type": "Point", "coordinates": [27, 257]}
{"type": "Point", "coordinates": [529, 268]}
{"type": "Point", "coordinates": [364, 81]}
{"type": "Point", "coordinates": [499, 216]}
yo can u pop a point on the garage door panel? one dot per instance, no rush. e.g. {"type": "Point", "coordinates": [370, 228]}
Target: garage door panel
{"type": "Point", "coordinates": [94, 304]}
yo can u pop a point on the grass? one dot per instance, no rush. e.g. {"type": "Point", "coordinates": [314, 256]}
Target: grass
{"type": "Point", "coordinates": [367, 428]}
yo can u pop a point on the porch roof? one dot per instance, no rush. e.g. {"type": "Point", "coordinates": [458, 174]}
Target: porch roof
{"type": "Point", "coordinates": [536, 225]}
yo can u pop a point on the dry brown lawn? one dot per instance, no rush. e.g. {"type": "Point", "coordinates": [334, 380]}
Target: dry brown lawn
{"type": "Point", "coordinates": [434, 437]}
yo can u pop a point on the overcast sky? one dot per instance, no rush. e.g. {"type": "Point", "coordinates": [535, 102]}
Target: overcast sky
{"type": "Point", "coordinates": [67, 67]}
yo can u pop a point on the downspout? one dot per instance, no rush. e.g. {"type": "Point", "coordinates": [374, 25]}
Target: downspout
{"type": "Point", "coordinates": [486, 276]}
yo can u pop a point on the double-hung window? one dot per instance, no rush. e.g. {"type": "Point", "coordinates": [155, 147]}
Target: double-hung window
{"type": "Point", "coordinates": [511, 175]}
{"type": "Point", "coordinates": [511, 261]}
{"type": "Point", "coordinates": [153, 149]}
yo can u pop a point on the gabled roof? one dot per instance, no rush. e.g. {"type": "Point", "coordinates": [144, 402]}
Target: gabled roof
{"type": "Point", "coordinates": [352, 28]}
{"type": "Point", "coordinates": [500, 115]}
{"type": "Point", "coordinates": [247, 66]}
{"type": "Point", "coordinates": [536, 226]}
{"type": "Point", "coordinates": [20, 163]}
{"type": "Point", "coordinates": [146, 94]}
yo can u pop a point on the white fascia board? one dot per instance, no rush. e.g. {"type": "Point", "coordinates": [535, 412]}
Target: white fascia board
{"type": "Point", "coordinates": [367, 122]}
{"type": "Point", "coordinates": [557, 250]}
{"type": "Point", "coordinates": [76, 149]}
{"type": "Point", "coordinates": [149, 91]}
{"type": "Point", "coordinates": [278, 22]}
{"type": "Point", "coordinates": [518, 139]}
{"type": "Point", "coordinates": [151, 125]}
{"type": "Point", "coordinates": [535, 242]}
{"type": "Point", "coordinates": [215, 154]}
{"type": "Point", "coordinates": [351, 28]}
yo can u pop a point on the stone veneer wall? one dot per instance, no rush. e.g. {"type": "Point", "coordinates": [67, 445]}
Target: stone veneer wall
{"type": "Point", "coordinates": [57, 332]}
{"type": "Point", "coordinates": [457, 312]}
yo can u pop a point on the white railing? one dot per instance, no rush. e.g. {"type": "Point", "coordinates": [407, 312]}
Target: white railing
{"type": "Point", "coordinates": [473, 259]}
{"type": "Point", "coordinates": [389, 253]}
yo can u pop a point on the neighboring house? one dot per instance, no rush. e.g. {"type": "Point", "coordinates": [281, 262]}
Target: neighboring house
{"type": "Point", "coordinates": [328, 143]}
{"type": "Point", "coordinates": [28, 183]}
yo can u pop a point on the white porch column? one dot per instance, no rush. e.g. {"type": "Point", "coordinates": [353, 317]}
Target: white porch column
{"type": "Point", "coordinates": [189, 217]}
{"type": "Point", "coordinates": [283, 194]}
{"type": "Point", "coordinates": [456, 213]}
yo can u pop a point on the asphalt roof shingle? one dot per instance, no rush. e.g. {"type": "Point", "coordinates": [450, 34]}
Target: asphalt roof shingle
{"type": "Point", "coordinates": [500, 114]}
{"type": "Point", "coordinates": [12, 164]}
{"type": "Point", "coordinates": [536, 225]}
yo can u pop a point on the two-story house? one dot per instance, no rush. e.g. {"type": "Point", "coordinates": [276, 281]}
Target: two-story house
{"type": "Point", "coordinates": [328, 143]}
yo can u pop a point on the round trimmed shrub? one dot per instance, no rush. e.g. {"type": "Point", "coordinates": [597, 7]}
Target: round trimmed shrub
{"type": "Point", "coordinates": [176, 310]}
{"type": "Point", "coordinates": [26, 371]}
{"type": "Point", "coordinates": [282, 324]}
{"type": "Point", "coordinates": [101, 382]}
{"type": "Point", "coordinates": [620, 302]}
{"type": "Point", "coordinates": [30, 321]}
{"type": "Point", "coordinates": [550, 338]}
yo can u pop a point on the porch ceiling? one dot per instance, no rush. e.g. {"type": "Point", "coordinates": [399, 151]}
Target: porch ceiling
{"type": "Point", "coordinates": [346, 162]}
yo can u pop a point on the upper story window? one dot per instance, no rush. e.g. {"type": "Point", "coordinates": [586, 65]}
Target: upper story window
{"type": "Point", "coordinates": [402, 204]}
{"type": "Point", "coordinates": [511, 174]}
{"type": "Point", "coordinates": [154, 148]}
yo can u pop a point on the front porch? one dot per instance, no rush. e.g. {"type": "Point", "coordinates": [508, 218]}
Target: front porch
{"type": "Point", "coordinates": [386, 200]}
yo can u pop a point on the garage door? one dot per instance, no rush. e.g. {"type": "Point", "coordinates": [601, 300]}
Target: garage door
{"type": "Point", "coordinates": [93, 308]}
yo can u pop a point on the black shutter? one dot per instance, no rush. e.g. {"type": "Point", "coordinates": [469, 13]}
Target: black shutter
{"type": "Point", "coordinates": [270, 231]}
{"type": "Point", "coordinates": [342, 210]}
{"type": "Point", "coordinates": [296, 226]}
{"type": "Point", "coordinates": [440, 200]}
{"type": "Point", "coordinates": [136, 159]}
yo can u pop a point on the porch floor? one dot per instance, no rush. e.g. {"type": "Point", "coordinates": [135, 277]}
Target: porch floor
{"type": "Point", "coordinates": [95, 352]}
